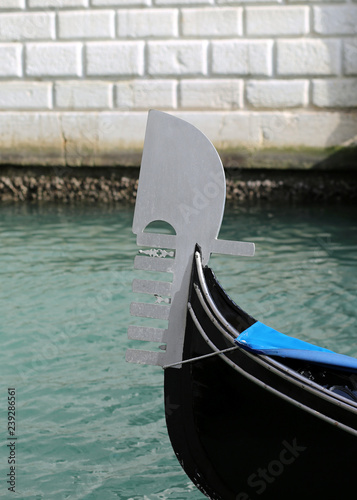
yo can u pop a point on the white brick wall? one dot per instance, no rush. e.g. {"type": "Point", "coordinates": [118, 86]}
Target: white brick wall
{"type": "Point", "coordinates": [87, 95]}
{"type": "Point", "coordinates": [141, 23]}
{"type": "Point", "coordinates": [230, 59]}
{"type": "Point", "coordinates": [334, 92]}
{"type": "Point", "coordinates": [277, 93]}
{"type": "Point", "coordinates": [121, 3]}
{"type": "Point", "coordinates": [335, 20]}
{"type": "Point", "coordinates": [277, 21]}
{"type": "Point", "coordinates": [242, 57]}
{"type": "Point", "coordinates": [12, 4]}
{"type": "Point", "coordinates": [21, 95]}
{"type": "Point", "coordinates": [177, 58]}
{"type": "Point", "coordinates": [86, 24]}
{"type": "Point", "coordinates": [10, 57]}
{"type": "Point", "coordinates": [27, 26]}
{"type": "Point", "coordinates": [350, 56]}
{"type": "Point", "coordinates": [53, 59]}
{"type": "Point", "coordinates": [114, 58]}
{"type": "Point", "coordinates": [308, 57]}
{"type": "Point", "coordinates": [211, 94]}
{"type": "Point", "coordinates": [212, 22]}
{"type": "Point", "coordinates": [135, 94]}
{"type": "Point", "coordinates": [58, 4]}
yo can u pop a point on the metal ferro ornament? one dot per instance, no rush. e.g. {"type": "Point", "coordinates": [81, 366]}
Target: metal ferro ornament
{"type": "Point", "coordinates": [182, 183]}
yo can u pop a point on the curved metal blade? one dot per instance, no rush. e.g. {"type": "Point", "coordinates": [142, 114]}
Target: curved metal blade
{"type": "Point", "coordinates": [181, 182]}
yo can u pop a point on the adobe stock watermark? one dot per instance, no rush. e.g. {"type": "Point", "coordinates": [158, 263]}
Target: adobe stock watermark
{"type": "Point", "coordinates": [260, 480]}
{"type": "Point", "coordinates": [201, 197]}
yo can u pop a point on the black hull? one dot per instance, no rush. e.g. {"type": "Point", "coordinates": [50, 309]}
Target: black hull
{"type": "Point", "coordinates": [243, 428]}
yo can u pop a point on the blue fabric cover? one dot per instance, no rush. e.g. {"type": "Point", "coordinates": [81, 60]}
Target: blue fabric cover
{"type": "Point", "coordinates": [262, 339]}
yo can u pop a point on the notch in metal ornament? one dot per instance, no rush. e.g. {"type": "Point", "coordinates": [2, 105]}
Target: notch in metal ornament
{"type": "Point", "coordinates": [182, 183]}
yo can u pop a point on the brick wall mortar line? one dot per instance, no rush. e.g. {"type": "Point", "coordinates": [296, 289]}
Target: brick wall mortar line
{"type": "Point", "coordinates": [341, 72]}
{"type": "Point", "coordinates": [146, 60]}
{"type": "Point", "coordinates": [180, 22]}
{"type": "Point", "coordinates": [310, 93]}
{"type": "Point", "coordinates": [209, 60]}
{"type": "Point", "coordinates": [274, 56]}
{"type": "Point", "coordinates": [84, 61]}
{"type": "Point", "coordinates": [244, 22]}
{"type": "Point", "coordinates": [23, 61]}
{"type": "Point", "coordinates": [53, 103]}
{"type": "Point", "coordinates": [56, 26]}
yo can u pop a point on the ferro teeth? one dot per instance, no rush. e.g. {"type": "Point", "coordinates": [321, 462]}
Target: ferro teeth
{"type": "Point", "coordinates": [153, 264]}
{"type": "Point", "coordinates": [147, 333]}
{"type": "Point", "coordinates": [152, 287]}
{"type": "Point", "coordinates": [155, 311]}
{"type": "Point", "coordinates": [156, 240]}
{"type": "Point", "coordinates": [145, 357]}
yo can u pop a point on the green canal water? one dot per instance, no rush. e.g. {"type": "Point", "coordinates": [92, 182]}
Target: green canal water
{"type": "Point", "coordinates": [90, 426]}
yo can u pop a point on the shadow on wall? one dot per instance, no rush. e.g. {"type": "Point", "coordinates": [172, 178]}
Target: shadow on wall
{"type": "Point", "coordinates": [336, 94]}
{"type": "Point", "coordinates": [342, 158]}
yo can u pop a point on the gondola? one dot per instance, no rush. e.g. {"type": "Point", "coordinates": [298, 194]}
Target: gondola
{"type": "Point", "coordinates": [251, 413]}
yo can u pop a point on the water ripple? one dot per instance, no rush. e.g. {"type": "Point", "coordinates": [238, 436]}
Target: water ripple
{"type": "Point", "coordinates": [91, 426]}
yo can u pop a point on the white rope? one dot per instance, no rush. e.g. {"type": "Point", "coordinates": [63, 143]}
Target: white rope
{"type": "Point", "coordinates": [191, 360]}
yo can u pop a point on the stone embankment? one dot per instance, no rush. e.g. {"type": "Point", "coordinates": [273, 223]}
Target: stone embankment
{"type": "Point", "coordinates": [67, 188]}
{"type": "Point", "coordinates": [118, 188]}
